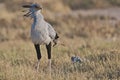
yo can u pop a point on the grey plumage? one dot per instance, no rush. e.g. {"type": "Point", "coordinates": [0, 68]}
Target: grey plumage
{"type": "Point", "coordinates": [75, 59]}
{"type": "Point", "coordinates": [41, 32]}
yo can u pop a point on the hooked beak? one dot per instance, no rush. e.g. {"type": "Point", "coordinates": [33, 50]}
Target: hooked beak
{"type": "Point", "coordinates": [35, 6]}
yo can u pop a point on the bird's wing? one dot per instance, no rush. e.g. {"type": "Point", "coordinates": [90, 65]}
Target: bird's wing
{"type": "Point", "coordinates": [52, 32]}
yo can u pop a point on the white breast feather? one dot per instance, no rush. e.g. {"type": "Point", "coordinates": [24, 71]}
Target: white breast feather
{"type": "Point", "coordinates": [42, 32]}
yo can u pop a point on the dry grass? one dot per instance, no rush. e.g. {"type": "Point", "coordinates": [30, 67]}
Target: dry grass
{"type": "Point", "coordinates": [93, 38]}
{"type": "Point", "coordinates": [101, 61]}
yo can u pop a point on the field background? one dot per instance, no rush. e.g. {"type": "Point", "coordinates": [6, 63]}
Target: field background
{"type": "Point", "coordinates": [89, 29]}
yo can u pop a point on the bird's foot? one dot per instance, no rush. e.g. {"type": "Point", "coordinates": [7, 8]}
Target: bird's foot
{"type": "Point", "coordinates": [49, 67]}
{"type": "Point", "coordinates": [37, 65]}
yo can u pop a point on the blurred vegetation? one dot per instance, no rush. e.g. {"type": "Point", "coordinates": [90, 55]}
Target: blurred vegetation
{"type": "Point", "coordinates": [87, 4]}
{"type": "Point", "coordinates": [94, 38]}
{"type": "Point", "coordinates": [114, 2]}
{"type": "Point", "coordinates": [13, 23]}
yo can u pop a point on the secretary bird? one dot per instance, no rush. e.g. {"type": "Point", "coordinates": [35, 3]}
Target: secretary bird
{"type": "Point", "coordinates": [41, 32]}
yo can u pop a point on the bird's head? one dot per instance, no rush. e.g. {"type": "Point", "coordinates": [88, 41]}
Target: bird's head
{"type": "Point", "coordinates": [32, 9]}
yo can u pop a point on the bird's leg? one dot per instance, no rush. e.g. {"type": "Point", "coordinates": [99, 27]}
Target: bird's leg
{"type": "Point", "coordinates": [37, 47]}
{"type": "Point", "coordinates": [37, 65]}
{"type": "Point", "coordinates": [48, 47]}
{"type": "Point", "coordinates": [49, 64]}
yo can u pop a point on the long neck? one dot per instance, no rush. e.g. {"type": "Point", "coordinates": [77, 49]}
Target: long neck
{"type": "Point", "coordinates": [34, 20]}
{"type": "Point", "coordinates": [37, 18]}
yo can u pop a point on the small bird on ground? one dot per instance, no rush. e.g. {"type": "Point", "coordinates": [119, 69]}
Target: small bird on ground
{"type": "Point", "coordinates": [75, 59]}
